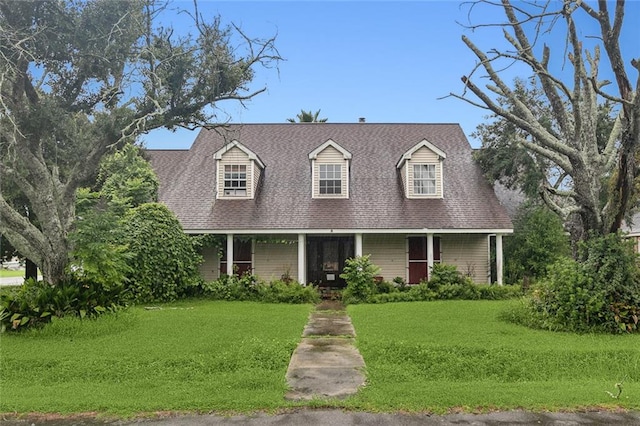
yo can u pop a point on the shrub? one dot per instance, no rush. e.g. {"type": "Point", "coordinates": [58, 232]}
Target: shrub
{"type": "Point", "coordinates": [37, 302]}
{"type": "Point", "coordinates": [232, 287]}
{"type": "Point", "coordinates": [164, 261]}
{"type": "Point", "coordinates": [601, 292]}
{"type": "Point", "coordinates": [248, 288]}
{"type": "Point", "coordinates": [359, 273]}
{"type": "Point", "coordinates": [288, 292]}
{"type": "Point", "coordinates": [537, 242]}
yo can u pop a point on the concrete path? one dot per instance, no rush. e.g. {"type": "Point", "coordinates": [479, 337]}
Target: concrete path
{"type": "Point", "coordinates": [326, 364]}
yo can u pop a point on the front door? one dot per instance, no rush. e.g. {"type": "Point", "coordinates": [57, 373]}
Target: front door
{"type": "Point", "coordinates": [325, 259]}
{"type": "Point", "coordinates": [418, 263]}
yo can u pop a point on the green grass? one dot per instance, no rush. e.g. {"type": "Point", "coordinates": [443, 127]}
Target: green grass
{"type": "Point", "coordinates": [232, 357]}
{"type": "Point", "coordinates": [5, 273]}
{"type": "Point", "coordinates": [192, 355]}
{"type": "Point", "coordinates": [437, 356]}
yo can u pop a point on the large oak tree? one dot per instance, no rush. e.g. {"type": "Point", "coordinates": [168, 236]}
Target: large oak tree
{"type": "Point", "coordinates": [78, 79]}
{"type": "Point", "coordinates": [585, 164]}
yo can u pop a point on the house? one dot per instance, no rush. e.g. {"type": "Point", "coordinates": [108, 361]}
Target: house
{"type": "Point", "coordinates": [299, 199]}
{"type": "Point", "coordinates": [632, 230]}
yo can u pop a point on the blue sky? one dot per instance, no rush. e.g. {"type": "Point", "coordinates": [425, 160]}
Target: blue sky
{"type": "Point", "coordinates": [390, 62]}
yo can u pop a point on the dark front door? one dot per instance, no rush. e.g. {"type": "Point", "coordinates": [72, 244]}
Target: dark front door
{"type": "Point", "coordinates": [418, 263]}
{"type": "Point", "coordinates": [325, 259]}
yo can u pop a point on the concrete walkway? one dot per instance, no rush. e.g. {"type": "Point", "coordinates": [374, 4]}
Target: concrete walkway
{"type": "Point", "coordinates": [326, 364]}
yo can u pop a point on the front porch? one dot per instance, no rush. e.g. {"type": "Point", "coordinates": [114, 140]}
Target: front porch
{"type": "Point", "coordinates": [319, 258]}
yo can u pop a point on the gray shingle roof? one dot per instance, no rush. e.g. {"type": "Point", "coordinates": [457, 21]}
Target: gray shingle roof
{"type": "Point", "coordinates": [283, 201]}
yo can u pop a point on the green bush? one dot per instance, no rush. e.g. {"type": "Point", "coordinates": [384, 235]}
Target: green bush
{"type": "Point", "coordinates": [538, 241]}
{"type": "Point", "coordinates": [36, 302]}
{"type": "Point", "coordinates": [248, 288]}
{"type": "Point", "coordinates": [600, 292]}
{"type": "Point", "coordinates": [164, 261]}
{"type": "Point", "coordinates": [359, 273]}
{"type": "Point", "coordinates": [288, 292]}
{"type": "Point", "coordinates": [447, 283]}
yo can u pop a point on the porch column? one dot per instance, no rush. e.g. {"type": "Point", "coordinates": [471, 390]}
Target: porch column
{"type": "Point", "coordinates": [302, 258]}
{"type": "Point", "coordinates": [358, 245]}
{"type": "Point", "coordinates": [229, 254]}
{"type": "Point", "coordinates": [429, 255]}
{"type": "Point", "coordinates": [499, 258]}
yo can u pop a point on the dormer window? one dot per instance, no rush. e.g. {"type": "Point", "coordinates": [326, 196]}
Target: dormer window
{"type": "Point", "coordinates": [330, 179]}
{"type": "Point", "coordinates": [424, 179]}
{"type": "Point", "coordinates": [421, 171]}
{"type": "Point", "coordinates": [238, 172]}
{"type": "Point", "coordinates": [330, 171]}
{"type": "Point", "coordinates": [235, 180]}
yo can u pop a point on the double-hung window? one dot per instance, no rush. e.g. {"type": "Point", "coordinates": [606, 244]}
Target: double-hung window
{"type": "Point", "coordinates": [235, 180]}
{"type": "Point", "coordinates": [330, 179]}
{"type": "Point", "coordinates": [424, 179]}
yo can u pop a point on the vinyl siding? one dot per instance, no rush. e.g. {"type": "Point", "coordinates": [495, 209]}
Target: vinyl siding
{"type": "Point", "coordinates": [387, 252]}
{"type": "Point", "coordinates": [257, 172]}
{"type": "Point", "coordinates": [424, 156]}
{"type": "Point", "coordinates": [470, 253]}
{"type": "Point", "coordinates": [272, 258]}
{"type": "Point", "coordinates": [235, 156]}
{"type": "Point", "coordinates": [330, 155]}
{"type": "Point", "coordinates": [210, 267]}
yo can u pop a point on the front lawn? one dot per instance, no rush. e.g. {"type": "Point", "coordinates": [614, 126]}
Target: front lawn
{"type": "Point", "coordinates": [193, 355]}
{"type": "Point", "coordinates": [6, 273]}
{"type": "Point", "coordinates": [232, 356]}
{"type": "Point", "coordinates": [434, 356]}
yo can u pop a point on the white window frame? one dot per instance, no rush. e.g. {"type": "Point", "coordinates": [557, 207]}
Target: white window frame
{"type": "Point", "coordinates": [335, 168]}
{"type": "Point", "coordinates": [425, 179]}
{"type": "Point", "coordinates": [234, 173]}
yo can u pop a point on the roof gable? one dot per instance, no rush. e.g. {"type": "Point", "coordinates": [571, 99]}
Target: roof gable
{"type": "Point", "coordinates": [329, 143]}
{"type": "Point", "coordinates": [423, 144]}
{"type": "Point", "coordinates": [235, 144]}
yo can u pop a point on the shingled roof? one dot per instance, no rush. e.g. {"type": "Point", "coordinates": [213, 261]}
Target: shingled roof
{"type": "Point", "coordinates": [283, 202]}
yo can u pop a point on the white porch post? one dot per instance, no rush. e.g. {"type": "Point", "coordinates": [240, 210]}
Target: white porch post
{"type": "Point", "coordinates": [429, 255]}
{"type": "Point", "coordinates": [499, 258]}
{"type": "Point", "coordinates": [229, 254]}
{"type": "Point", "coordinates": [358, 247]}
{"type": "Point", "coordinates": [302, 258]}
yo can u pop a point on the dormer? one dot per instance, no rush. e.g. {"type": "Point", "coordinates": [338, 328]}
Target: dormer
{"type": "Point", "coordinates": [421, 171]}
{"type": "Point", "coordinates": [330, 171]}
{"type": "Point", "coordinates": [238, 171]}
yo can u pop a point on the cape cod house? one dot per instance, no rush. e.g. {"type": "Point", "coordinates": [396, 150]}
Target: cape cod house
{"type": "Point", "coordinates": [299, 199]}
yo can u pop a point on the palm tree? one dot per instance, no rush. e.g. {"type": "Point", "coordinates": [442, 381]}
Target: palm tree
{"type": "Point", "coordinates": [307, 117]}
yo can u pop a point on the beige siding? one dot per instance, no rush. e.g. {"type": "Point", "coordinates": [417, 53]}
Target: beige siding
{"type": "Point", "coordinates": [424, 156]}
{"type": "Point", "coordinates": [275, 257]}
{"type": "Point", "coordinates": [235, 156]}
{"type": "Point", "coordinates": [387, 252]}
{"type": "Point", "coordinates": [470, 253]}
{"type": "Point", "coordinates": [257, 172]}
{"type": "Point", "coordinates": [210, 267]}
{"type": "Point", "coordinates": [330, 155]}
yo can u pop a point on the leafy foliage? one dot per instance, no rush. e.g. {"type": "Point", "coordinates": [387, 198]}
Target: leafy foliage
{"type": "Point", "coordinates": [601, 292]}
{"type": "Point", "coordinates": [164, 261]}
{"type": "Point", "coordinates": [308, 117]}
{"type": "Point", "coordinates": [36, 303]}
{"type": "Point", "coordinates": [80, 78]}
{"type": "Point", "coordinates": [249, 288]}
{"type": "Point", "coordinates": [538, 241]}
{"type": "Point", "coordinates": [126, 179]}
{"type": "Point", "coordinates": [359, 273]}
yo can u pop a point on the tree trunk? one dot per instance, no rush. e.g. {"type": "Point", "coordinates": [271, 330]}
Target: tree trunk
{"type": "Point", "coordinates": [54, 266]}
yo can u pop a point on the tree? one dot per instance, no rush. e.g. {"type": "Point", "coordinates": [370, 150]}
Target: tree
{"type": "Point", "coordinates": [568, 141]}
{"type": "Point", "coordinates": [78, 79]}
{"type": "Point", "coordinates": [307, 117]}
{"type": "Point", "coordinates": [537, 242]}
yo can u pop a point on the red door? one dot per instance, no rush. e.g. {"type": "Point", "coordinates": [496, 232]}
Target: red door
{"type": "Point", "coordinates": [418, 263]}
